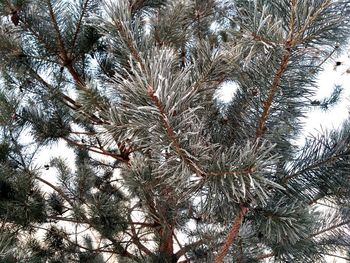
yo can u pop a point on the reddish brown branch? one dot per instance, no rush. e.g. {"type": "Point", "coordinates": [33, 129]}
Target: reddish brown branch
{"type": "Point", "coordinates": [166, 247]}
{"type": "Point", "coordinates": [264, 256]}
{"type": "Point", "coordinates": [289, 44]}
{"type": "Point", "coordinates": [231, 235]}
{"type": "Point", "coordinates": [187, 247]}
{"type": "Point", "coordinates": [272, 92]}
{"type": "Point", "coordinates": [171, 134]}
{"type": "Point", "coordinates": [97, 150]}
{"type": "Point", "coordinates": [130, 44]}
{"type": "Point", "coordinates": [57, 189]}
{"type": "Point", "coordinates": [264, 40]}
{"type": "Point", "coordinates": [136, 239]}
{"type": "Point", "coordinates": [75, 75]}
{"type": "Point", "coordinates": [261, 125]}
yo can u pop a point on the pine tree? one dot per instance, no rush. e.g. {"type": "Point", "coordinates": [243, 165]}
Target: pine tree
{"type": "Point", "coordinates": [164, 171]}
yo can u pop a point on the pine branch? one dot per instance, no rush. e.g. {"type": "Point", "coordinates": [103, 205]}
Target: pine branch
{"type": "Point", "coordinates": [96, 250]}
{"type": "Point", "coordinates": [63, 53]}
{"type": "Point", "coordinates": [330, 228]}
{"type": "Point", "coordinates": [272, 92]}
{"type": "Point", "coordinates": [72, 104]}
{"type": "Point", "coordinates": [310, 20]}
{"type": "Point", "coordinates": [57, 189]}
{"type": "Point", "coordinates": [77, 30]}
{"type": "Point", "coordinates": [264, 40]}
{"type": "Point", "coordinates": [77, 221]}
{"type": "Point", "coordinates": [336, 256]}
{"type": "Point", "coordinates": [136, 239]}
{"type": "Point", "coordinates": [187, 248]}
{"type": "Point", "coordinates": [119, 249]}
{"type": "Point", "coordinates": [132, 224]}
{"type": "Point", "coordinates": [63, 56]}
{"type": "Point", "coordinates": [315, 199]}
{"type": "Point", "coordinates": [292, 41]}
{"type": "Point", "coordinates": [99, 150]}
{"type": "Point", "coordinates": [182, 154]}
{"type": "Point", "coordinates": [171, 134]}
{"type": "Point", "coordinates": [247, 171]}
{"type": "Point", "coordinates": [231, 236]}
{"type": "Point", "coordinates": [263, 118]}
{"type": "Point", "coordinates": [318, 164]}
{"type": "Point", "coordinates": [39, 38]}
{"type": "Point", "coordinates": [66, 58]}
{"type": "Point", "coordinates": [130, 44]}
{"type": "Point", "coordinates": [293, 7]}
{"type": "Point", "coordinates": [265, 256]}
{"type": "Point", "coordinates": [18, 151]}
{"type": "Point", "coordinates": [333, 227]}
{"type": "Point", "coordinates": [328, 56]}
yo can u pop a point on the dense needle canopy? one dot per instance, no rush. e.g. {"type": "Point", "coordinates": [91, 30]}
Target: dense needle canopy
{"type": "Point", "coordinates": [164, 171]}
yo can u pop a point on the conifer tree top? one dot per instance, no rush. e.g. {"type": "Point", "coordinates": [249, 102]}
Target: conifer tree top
{"type": "Point", "coordinates": [165, 172]}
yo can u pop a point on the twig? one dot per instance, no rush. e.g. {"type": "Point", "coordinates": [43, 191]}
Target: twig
{"type": "Point", "coordinates": [171, 134]}
{"type": "Point", "coordinates": [330, 228]}
{"type": "Point", "coordinates": [79, 24]}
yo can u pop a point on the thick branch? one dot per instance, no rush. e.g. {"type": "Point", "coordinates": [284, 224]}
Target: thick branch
{"type": "Point", "coordinates": [231, 235]}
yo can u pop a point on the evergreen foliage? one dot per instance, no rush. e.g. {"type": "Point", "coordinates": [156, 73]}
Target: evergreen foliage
{"type": "Point", "coordinates": [164, 171]}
